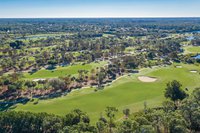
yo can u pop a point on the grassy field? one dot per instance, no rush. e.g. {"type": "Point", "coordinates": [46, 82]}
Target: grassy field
{"type": "Point", "coordinates": [42, 36]}
{"type": "Point", "coordinates": [62, 71]}
{"type": "Point", "coordinates": [192, 49]}
{"type": "Point", "coordinates": [126, 92]}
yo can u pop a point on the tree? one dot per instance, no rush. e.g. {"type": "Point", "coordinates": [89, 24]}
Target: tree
{"type": "Point", "coordinates": [126, 112]}
{"type": "Point", "coordinates": [77, 121]}
{"type": "Point", "coordinates": [17, 44]}
{"type": "Point", "coordinates": [101, 75]}
{"type": "Point", "coordinates": [156, 119]}
{"type": "Point", "coordinates": [196, 95]}
{"type": "Point", "coordinates": [67, 80]}
{"type": "Point", "coordinates": [191, 111]}
{"type": "Point", "coordinates": [144, 125]}
{"type": "Point", "coordinates": [101, 126]}
{"type": "Point", "coordinates": [174, 91]}
{"type": "Point", "coordinates": [168, 106]}
{"type": "Point", "coordinates": [177, 124]}
{"type": "Point", "coordinates": [52, 62]}
{"type": "Point", "coordinates": [147, 129]}
{"type": "Point", "coordinates": [23, 122]}
{"type": "Point", "coordinates": [56, 83]}
{"type": "Point", "coordinates": [110, 113]}
{"type": "Point", "coordinates": [52, 124]}
{"type": "Point", "coordinates": [128, 126]}
{"type": "Point", "coordinates": [76, 116]}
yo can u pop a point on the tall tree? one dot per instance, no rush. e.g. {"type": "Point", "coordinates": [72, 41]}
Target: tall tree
{"type": "Point", "coordinates": [174, 91]}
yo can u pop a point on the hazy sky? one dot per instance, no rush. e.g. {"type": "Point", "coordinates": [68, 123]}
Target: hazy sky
{"type": "Point", "coordinates": [99, 8]}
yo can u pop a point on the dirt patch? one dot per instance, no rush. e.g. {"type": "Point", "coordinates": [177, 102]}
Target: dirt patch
{"type": "Point", "coordinates": [147, 79]}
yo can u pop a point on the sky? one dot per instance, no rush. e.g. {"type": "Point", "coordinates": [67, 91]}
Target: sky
{"type": "Point", "coordinates": [98, 8]}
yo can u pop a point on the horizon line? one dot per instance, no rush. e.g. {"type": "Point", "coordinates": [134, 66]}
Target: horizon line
{"type": "Point", "coordinates": [96, 17]}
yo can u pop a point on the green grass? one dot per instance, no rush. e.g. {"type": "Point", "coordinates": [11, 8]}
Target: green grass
{"type": "Point", "coordinates": [62, 71]}
{"type": "Point", "coordinates": [42, 36]}
{"type": "Point", "coordinates": [192, 49]}
{"type": "Point", "coordinates": [126, 92]}
{"type": "Point", "coordinates": [130, 50]}
{"type": "Point", "coordinates": [108, 35]}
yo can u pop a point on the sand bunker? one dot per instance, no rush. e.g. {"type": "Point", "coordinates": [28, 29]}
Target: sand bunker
{"type": "Point", "coordinates": [179, 67]}
{"type": "Point", "coordinates": [36, 80]}
{"type": "Point", "coordinates": [147, 79]}
{"type": "Point", "coordinates": [193, 71]}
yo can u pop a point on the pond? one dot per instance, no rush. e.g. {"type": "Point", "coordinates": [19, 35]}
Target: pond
{"type": "Point", "coordinates": [196, 31]}
{"type": "Point", "coordinates": [190, 38]}
{"type": "Point", "coordinates": [197, 57]}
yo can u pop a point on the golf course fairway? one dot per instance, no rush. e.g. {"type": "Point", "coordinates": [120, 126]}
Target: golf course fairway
{"type": "Point", "coordinates": [125, 92]}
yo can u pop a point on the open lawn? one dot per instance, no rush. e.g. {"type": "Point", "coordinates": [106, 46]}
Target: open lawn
{"type": "Point", "coordinates": [62, 71]}
{"type": "Point", "coordinates": [192, 49]}
{"type": "Point", "coordinates": [126, 92]}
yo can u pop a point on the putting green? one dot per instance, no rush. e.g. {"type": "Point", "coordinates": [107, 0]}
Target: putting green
{"type": "Point", "coordinates": [126, 92]}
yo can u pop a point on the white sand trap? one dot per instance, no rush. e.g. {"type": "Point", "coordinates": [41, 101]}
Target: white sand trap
{"type": "Point", "coordinates": [36, 80]}
{"type": "Point", "coordinates": [193, 71]}
{"type": "Point", "coordinates": [179, 67]}
{"type": "Point", "coordinates": [147, 79]}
